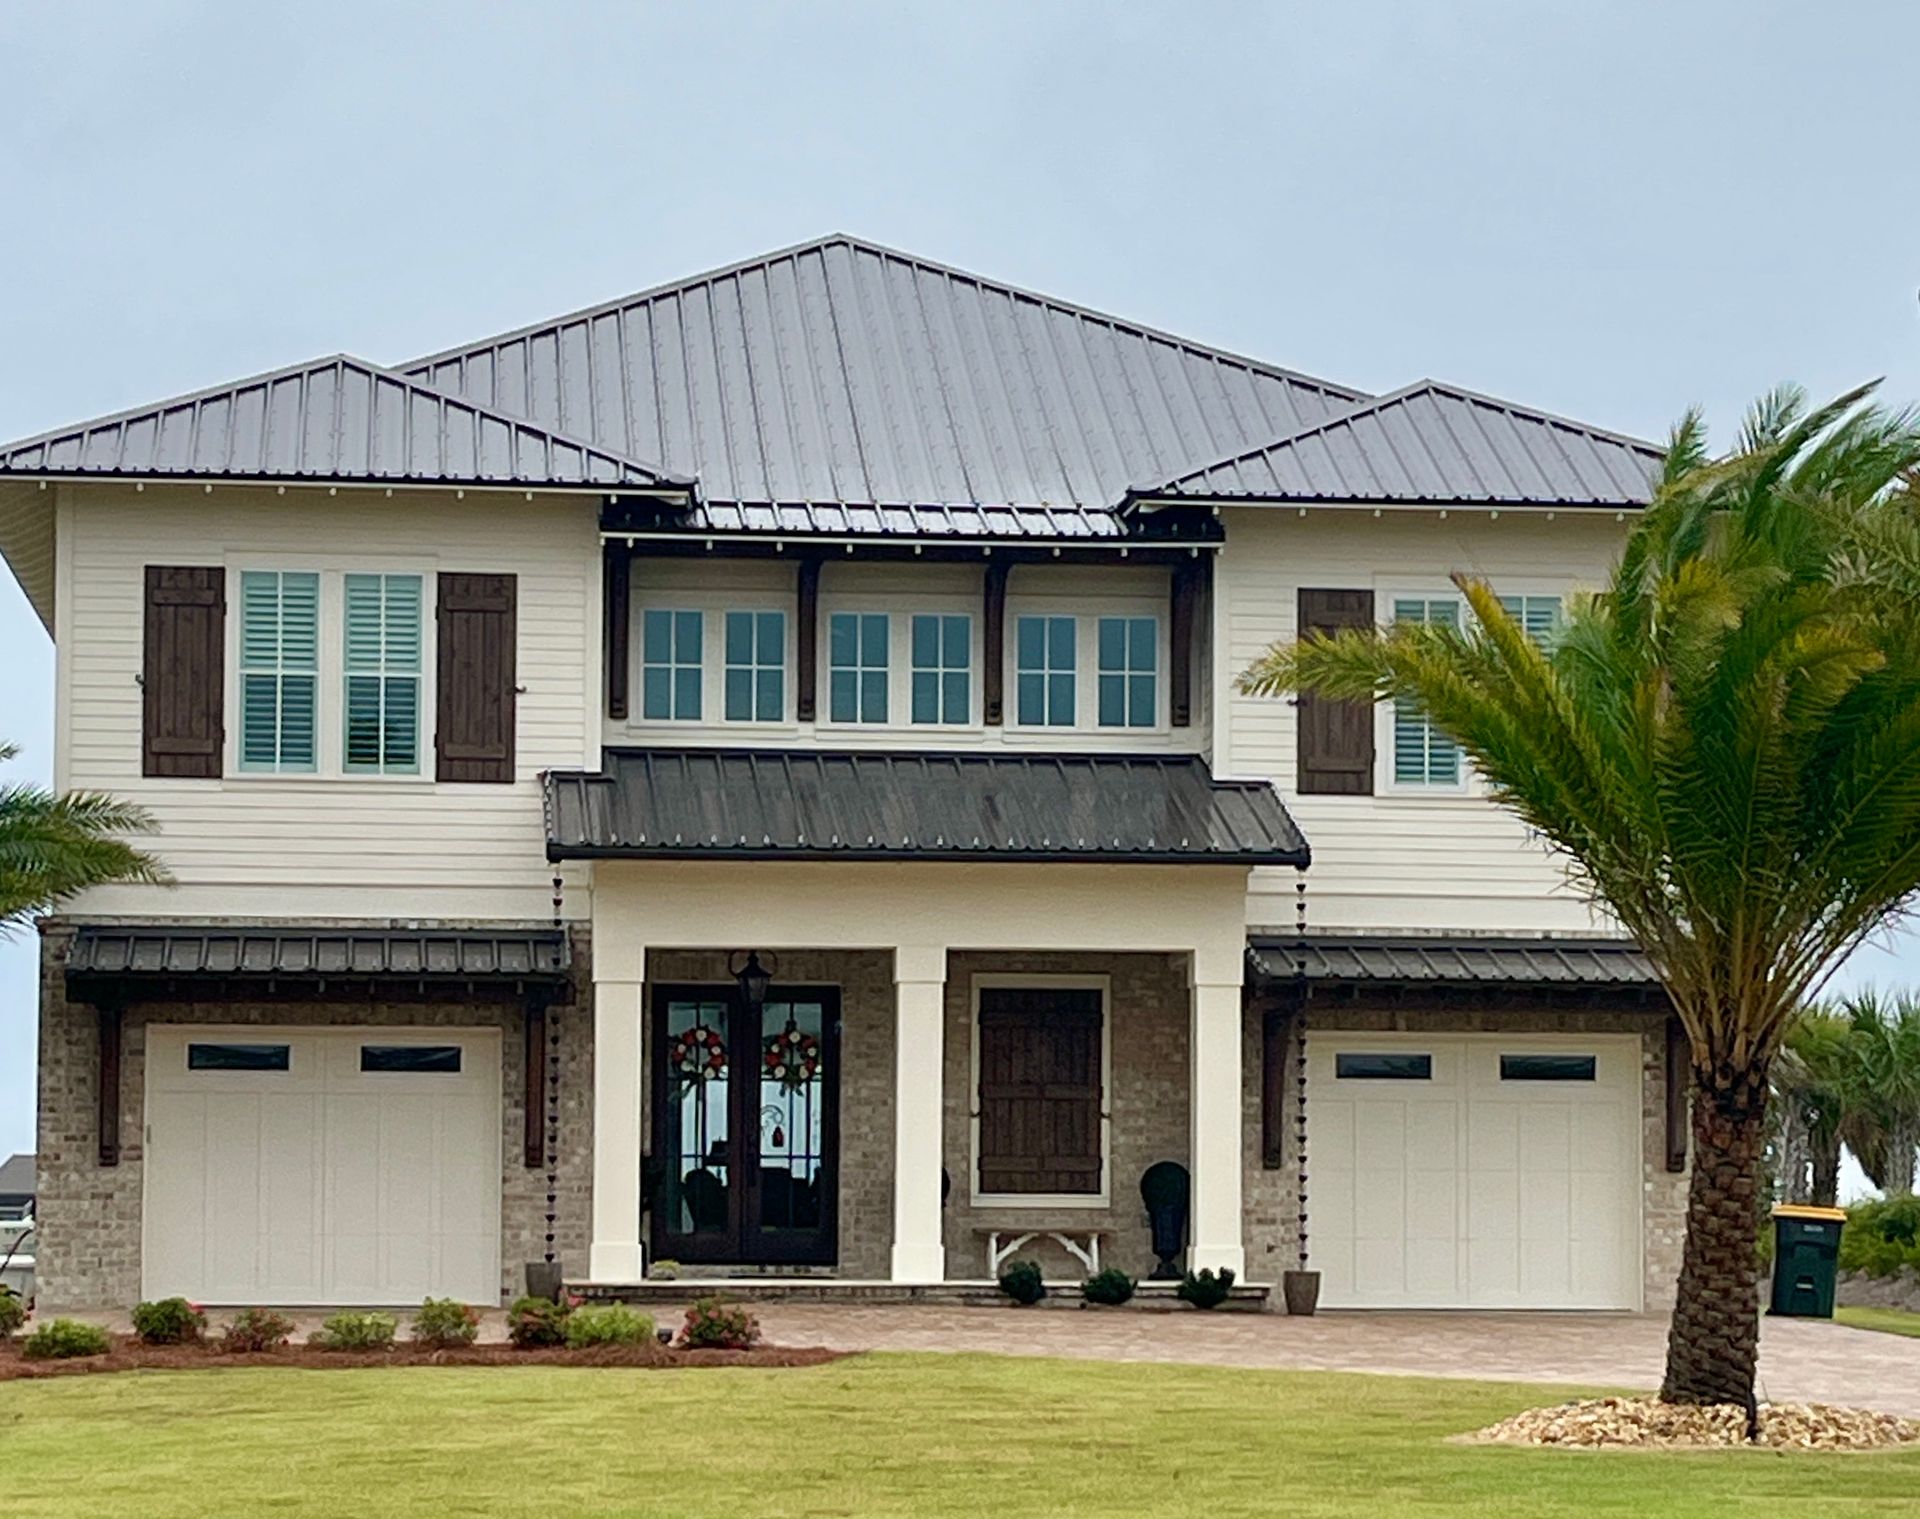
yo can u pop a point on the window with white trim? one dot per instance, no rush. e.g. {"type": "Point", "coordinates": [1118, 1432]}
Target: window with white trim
{"type": "Point", "coordinates": [1538, 616]}
{"type": "Point", "coordinates": [671, 650]}
{"type": "Point", "coordinates": [755, 667]}
{"type": "Point", "coordinates": [857, 667]}
{"type": "Point", "coordinates": [382, 674]}
{"type": "Point", "coordinates": [1129, 661]}
{"type": "Point", "coordinates": [941, 650]}
{"type": "Point", "coordinates": [1046, 667]}
{"type": "Point", "coordinates": [279, 669]}
{"type": "Point", "coordinates": [1422, 755]}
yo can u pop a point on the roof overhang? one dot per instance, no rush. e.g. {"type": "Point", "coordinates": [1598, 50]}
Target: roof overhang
{"type": "Point", "coordinates": [1436, 964]}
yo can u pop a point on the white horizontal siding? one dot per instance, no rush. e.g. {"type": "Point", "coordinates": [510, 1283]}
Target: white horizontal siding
{"type": "Point", "coordinates": [1394, 861]}
{"type": "Point", "coordinates": [351, 847]}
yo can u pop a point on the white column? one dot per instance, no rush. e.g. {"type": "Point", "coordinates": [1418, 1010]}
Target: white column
{"type": "Point", "coordinates": [920, 980]}
{"type": "Point", "coordinates": [619, 1020]}
{"type": "Point", "coordinates": [1217, 1126]}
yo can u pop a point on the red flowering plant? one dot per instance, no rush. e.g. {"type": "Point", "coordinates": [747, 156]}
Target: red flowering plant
{"type": "Point", "coordinates": [698, 1054]}
{"type": "Point", "coordinates": [791, 1057]}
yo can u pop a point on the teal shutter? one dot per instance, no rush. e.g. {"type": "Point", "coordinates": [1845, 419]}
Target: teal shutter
{"type": "Point", "coordinates": [382, 664]}
{"type": "Point", "coordinates": [1422, 755]}
{"type": "Point", "coordinates": [279, 669]}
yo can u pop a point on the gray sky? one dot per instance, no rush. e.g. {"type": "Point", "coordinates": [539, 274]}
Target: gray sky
{"type": "Point", "coordinates": [1611, 211]}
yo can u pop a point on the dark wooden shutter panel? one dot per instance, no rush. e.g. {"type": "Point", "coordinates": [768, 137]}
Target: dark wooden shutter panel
{"type": "Point", "coordinates": [183, 671]}
{"type": "Point", "coordinates": [1335, 748]}
{"type": "Point", "coordinates": [473, 739]}
{"type": "Point", "coordinates": [1040, 1090]}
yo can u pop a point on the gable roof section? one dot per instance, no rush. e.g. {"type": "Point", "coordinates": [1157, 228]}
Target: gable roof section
{"type": "Point", "coordinates": [337, 418]}
{"type": "Point", "coordinates": [1432, 442]}
{"type": "Point", "coordinates": [842, 371]}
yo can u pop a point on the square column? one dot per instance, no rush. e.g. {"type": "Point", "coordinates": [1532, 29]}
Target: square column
{"type": "Point", "coordinates": [920, 983]}
{"type": "Point", "coordinates": [1214, 1107]}
{"type": "Point", "coordinates": [619, 1022]}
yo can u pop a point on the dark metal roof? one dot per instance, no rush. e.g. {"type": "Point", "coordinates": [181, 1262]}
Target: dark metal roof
{"type": "Point", "coordinates": [16, 1176]}
{"type": "Point", "coordinates": [812, 805]}
{"type": "Point", "coordinates": [925, 521]}
{"type": "Point", "coordinates": [337, 418]}
{"type": "Point", "coordinates": [1483, 962]}
{"type": "Point", "coordinates": [165, 951]}
{"type": "Point", "coordinates": [1433, 442]}
{"type": "Point", "coordinates": [843, 371]}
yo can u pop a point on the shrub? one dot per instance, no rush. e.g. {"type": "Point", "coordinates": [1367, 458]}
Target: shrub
{"type": "Point", "coordinates": [171, 1321]}
{"type": "Point", "coordinates": [13, 1313]}
{"type": "Point", "coordinates": [1882, 1237]}
{"type": "Point", "coordinates": [1205, 1289]}
{"type": "Point", "coordinates": [62, 1339]}
{"type": "Point", "coordinates": [664, 1271]}
{"type": "Point", "coordinates": [444, 1323]}
{"type": "Point", "coordinates": [534, 1323]}
{"type": "Point", "coordinates": [1111, 1286]}
{"type": "Point", "coordinates": [256, 1329]}
{"type": "Point", "coordinates": [1022, 1282]}
{"type": "Point", "coordinates": [713, 1323]}
{"type": "Point", "coordinates": [607, 1324]}
{"type": "Point", "coordinates": [356, 1331]}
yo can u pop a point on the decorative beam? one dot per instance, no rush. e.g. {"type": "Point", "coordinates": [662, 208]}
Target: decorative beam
{"type": "Point", "coordinates": [1679, 1087]}
{"type": "Point", "coordinates": [806, 633]}
{"type": "Point", "coordinates": [993, 642]}
{"type": "Point", "coordinates": [1188, 582]}
{"type": "Point", "coordinates": [617, 576]}
{"type": "Point", "coordinates": [533, 1086]}
{"type": "Point", "coordinates": [109, 1085]}
{"type": "Point", "coordinates": [1275, 1035]}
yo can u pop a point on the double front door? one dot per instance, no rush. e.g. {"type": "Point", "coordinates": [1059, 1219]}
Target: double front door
{"type": "Point", "coordinates": [745, 1126]}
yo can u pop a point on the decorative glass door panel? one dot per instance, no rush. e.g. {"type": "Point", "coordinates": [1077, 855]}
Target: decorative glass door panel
{"type": "Point", "coordinates": [698, 1199]}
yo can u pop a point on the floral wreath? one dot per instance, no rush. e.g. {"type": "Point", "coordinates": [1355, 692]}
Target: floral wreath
{"type": "Point", "coordinates": [791, 1057]}
{"type": "Point", "coordinates": [699, 1054]}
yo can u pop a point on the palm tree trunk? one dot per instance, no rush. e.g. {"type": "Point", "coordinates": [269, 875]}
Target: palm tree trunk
{"type": "Point", "coordinates": [1826, 1169]}
{"type": "Point", "coordinates": [1796, 1153]}
{"type": "Point", "coordinates": [1714, 1339]}
{"type": "Point", "coordinates": [1903, 1148]}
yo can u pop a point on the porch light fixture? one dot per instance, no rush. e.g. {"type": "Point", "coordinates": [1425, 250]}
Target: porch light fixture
{"type": "Point", "coordinates": [753, 977]}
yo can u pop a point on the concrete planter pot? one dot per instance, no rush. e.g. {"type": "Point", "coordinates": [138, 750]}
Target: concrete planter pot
{"type": "Point", "coordinates": [1301, 1292]}
{"type": "Point", "coordinates": [543, 1280]}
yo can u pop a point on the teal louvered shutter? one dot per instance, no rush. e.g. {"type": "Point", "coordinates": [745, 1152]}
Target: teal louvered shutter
{"type": "Point", "coordinates": [382, 674]}
{"type": "Point", "coordinates": [1422, 755]}
{"type": "Point", "coordinates": [279, 669]}
{"type": "Point", "coordinates": [1538, 616]}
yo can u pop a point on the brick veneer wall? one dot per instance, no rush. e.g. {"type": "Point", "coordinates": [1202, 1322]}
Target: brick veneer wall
{"type": "Point", "coordinates": [89, 1221]}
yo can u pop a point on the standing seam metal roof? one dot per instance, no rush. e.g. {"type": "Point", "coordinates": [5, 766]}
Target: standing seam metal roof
{"type": "Point", "coordinates": [1484, 962]}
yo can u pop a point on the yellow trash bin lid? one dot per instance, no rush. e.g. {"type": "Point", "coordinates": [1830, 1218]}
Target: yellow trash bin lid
{"type": "Point", "coordinates": [1807, 1210]}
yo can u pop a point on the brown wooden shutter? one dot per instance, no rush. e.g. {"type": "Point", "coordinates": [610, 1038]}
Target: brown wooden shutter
{"type": "Point", "coordinates": [1040, 1090]}
{"type": "Point", "coordinates": [183, 671]}
{"type": "Point", "coordinates": [1335, 748]}
{"type": "Point", "coordinates": [473, 740]}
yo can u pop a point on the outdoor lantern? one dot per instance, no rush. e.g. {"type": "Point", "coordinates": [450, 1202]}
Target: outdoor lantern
{"type": "Point", "coordinates": [754, 978]}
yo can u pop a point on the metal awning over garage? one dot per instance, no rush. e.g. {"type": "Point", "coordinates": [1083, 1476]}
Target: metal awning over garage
{"type": "Point", "coordinates": [1329, 959]}
{"type": "Point", "coordinates": [758, 804]}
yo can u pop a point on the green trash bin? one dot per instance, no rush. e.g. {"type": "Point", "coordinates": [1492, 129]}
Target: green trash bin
{"type": "Point", "coordinates": [1806, 1260]}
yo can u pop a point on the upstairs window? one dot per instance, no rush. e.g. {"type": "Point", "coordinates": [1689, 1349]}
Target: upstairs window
{"type": "Point", "coordinates": [382, 665]}
{"type": "Point", "coordinates": [857, 667]}
{"type": "Point", "coordinates": [942, 668]}
{"type": "Point", "coordinates": [1538, 616]}
{"type": "Point", "coordinates": [670, 665]}
{"type": "Point", "coordinates": [756, 667]}
{"type": "Point", "coordinates": [1045, 666]}
{"type": "Point", "coordinates": [1422, 755]}
{"type": "Point", "coordinates": [279, 669]}
{"type": "Point", "coordinates": [1129, 650]}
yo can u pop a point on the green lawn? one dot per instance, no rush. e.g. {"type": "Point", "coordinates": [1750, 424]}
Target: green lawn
{"type": "Point", "coordinates": [1886, 1320]}
{"type": "Point", "coordinates": [874, 1435]}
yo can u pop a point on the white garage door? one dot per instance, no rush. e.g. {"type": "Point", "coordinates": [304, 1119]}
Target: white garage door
{"type": "Point", "coordinates": [1474, 1171]}
{"type": "Point", "coordinates": [341, 1165]}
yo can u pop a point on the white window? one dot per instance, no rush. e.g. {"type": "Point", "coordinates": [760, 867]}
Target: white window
{"type": "Point", "coordinates": [857, 667]}
{"type": "Point", "coordinates": [1045, 672]}
{"type": "Point", "coordinates": [1422, 755]}
{"type": "Point", "coordinates": [279, 669]}
{"type": "Point", "coordinates": [942, 654]}
{"type": "Point", "coordinates": [1129, 656]}
{"type": "Point", "coordinates": [1538, 616]}
{"type": "Point", "coordinates": [755, 667]}
{"type": "Point", "coordinates": [382, 674]}
{"type": "Point", "coordinates": [671, 664]}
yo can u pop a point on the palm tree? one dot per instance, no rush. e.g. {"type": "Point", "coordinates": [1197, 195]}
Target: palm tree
{"type": "Point", "coordinates": [1724, 746]}
{"type": "Point", "coordinates": [1886, 1042]}
{"type": "Point", "coordinates": [52, 847]}
{"type": "Point", "coordinates": [1815, 1087]}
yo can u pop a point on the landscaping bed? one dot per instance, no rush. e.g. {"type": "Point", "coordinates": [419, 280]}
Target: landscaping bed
{"type": "Point", "coordinates": [1647, 1423]}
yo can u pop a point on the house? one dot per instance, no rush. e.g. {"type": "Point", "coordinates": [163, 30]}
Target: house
{"type": "Point", "coordinates": [16, 1189]}
{"type": "Point", "coordinates": [750, 773]}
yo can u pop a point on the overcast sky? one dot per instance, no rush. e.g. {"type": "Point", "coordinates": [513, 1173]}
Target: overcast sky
{"type": "Point", "coordinates": [1610, 211]}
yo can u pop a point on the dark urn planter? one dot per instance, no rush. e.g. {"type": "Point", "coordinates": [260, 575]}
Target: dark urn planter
{"type": "Point", "coordinates": [1164, 1188]}
{"type": "Point", "coordinates": [1301, 1290]}
{"type": "Point", "coordinates": [543, 1280]}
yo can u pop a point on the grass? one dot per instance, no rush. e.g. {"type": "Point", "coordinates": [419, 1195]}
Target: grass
{"type": "Point", "coordinates": [1886, 1320]}
{"type": "Point", "coordinates": [872, 1435]}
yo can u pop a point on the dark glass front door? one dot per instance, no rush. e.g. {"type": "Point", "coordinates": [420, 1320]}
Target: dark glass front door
{"type": "Point", "coordinates": [745, 1125]}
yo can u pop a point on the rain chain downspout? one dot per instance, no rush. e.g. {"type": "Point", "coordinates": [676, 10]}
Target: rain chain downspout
{"type": "Point", "coordinates": [1301, 1286]}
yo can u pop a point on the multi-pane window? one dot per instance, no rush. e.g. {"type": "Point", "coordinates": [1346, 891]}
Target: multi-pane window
{"type": "Point", "coordinates": [756, 667]}
{"type": "Point", "coordinates": [670, 665]}
{"type": "Point", "coordinates": [1044, 668]}
{"type": "Point", "coordinates": [1538, 616]}
{"type": "Point", "coordinates": [857, 667]}
{"type": "Point", "coordinates": [1422, 755]}
{"type": "Point", "coordinates": [279, 668]}
{"type": "Point", "coordinates": [382, 671]}
{"type": "Point", "coordinates": [942, 668]}
{"type": "Point", "coordinates": [1129, 664]}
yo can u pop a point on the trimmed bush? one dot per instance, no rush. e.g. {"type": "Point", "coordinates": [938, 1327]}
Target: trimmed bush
{"type": "Point", "coordinates": [170, 1321]}
{"type": "Point", "coordinates": [1205, 1289]}
{"type": "Point", "coordinates": [1023, 1283]}
{"type": "Point", "coordinates": [445, 1323]}
{"type": "Point", "coordinates": [63, 1339]}
{"type": "Point", "coordinates": [1881, 1238]}
{"type": "Point", "coordinates": [355, 1331]}
{"type": "Point", "coordinates": [256, 1329]}
{"type": "Point", "coordinates": [607, 1324]}
{"type": "Point", "coordinates": [713, 1323]}
{"type": "Point", "coordinates": [537, 1323]}
{"type": "Point", "coordinates": [13, 1313]}
{"type": "Point", "coordinates": [1111, 1287]}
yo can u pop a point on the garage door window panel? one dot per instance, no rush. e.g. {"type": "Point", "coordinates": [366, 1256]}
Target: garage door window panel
{"type": "Point", "coordinates": [418, 1059]}
{"type": "Point", "coordinates": [1548, 1067]}
{"type": "Point", "coordinates": [1383, 1067]}
{"type": "Point", "coordinates": [238, 1057]}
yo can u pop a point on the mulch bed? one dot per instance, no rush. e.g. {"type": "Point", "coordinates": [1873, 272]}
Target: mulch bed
{"type": "Point", "coordinates": [128, 1354]}
{"type": "Point", "coordinates": [1647, 1423]}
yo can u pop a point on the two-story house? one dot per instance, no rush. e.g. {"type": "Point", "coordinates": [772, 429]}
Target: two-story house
{"type": "Point", "coordinates": [751, 774]}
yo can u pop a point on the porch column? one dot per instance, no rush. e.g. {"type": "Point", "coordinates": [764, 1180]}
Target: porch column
{"type": "Point", "coordinates": [619, 1023]}
{"type": "Point", "coordinates": [1215, 1109]}
{"type": "Point", "coordinates": [920, 979]}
